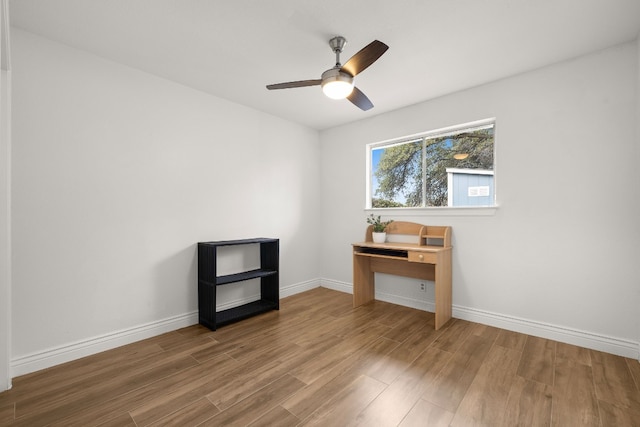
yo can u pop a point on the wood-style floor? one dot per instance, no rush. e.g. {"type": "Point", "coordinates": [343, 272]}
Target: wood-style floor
{"type": "Point", "coordinates": [319, 361]}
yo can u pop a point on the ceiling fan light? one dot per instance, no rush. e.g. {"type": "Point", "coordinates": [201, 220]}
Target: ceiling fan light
{"type": "Point", "coordinates": [337, 89]}
{"type": "Point", "coordinates": [336, 84]}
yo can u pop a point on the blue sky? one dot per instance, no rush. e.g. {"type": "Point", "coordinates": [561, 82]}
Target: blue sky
{"type": "Point", "coordinates": [375, 159]}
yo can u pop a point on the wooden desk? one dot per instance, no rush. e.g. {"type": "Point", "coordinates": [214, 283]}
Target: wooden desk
{"type": "Point", "coordinates": [429, 259]}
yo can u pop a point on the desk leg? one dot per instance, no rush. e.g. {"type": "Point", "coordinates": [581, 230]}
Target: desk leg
{"type": "Point", "coordinates": [363, 281]}
{"type": "Point", "coordinates": [443, 289]}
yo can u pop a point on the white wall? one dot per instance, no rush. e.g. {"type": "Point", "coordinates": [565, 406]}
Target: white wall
{"type": "Point", "coordinates": [638, 160]}
{"type": "Point", "coordinates": [116, 175]}
{"type": "Point", "coordinates": [559, 257]}
{"type": "Point", "coordinates": [5, 200]}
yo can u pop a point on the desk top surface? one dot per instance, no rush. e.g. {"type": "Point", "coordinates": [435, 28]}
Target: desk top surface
{"type": "Point", "coordinates": [401, 246]}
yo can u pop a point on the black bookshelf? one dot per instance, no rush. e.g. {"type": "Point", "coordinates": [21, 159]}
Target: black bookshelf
{"type": "Point", "coordinates": [208, 281]}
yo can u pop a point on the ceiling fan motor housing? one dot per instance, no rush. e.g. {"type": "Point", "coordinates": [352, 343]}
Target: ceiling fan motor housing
{"type": "Point", "coordinates": [337, 84]}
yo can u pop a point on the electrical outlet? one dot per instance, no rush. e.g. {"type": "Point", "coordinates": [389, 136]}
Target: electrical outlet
{"type": "Point", "coordinates": [422, 287]}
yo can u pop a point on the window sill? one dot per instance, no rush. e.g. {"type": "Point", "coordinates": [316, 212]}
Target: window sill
{"type": "Point", "coordinates": [440, 211]}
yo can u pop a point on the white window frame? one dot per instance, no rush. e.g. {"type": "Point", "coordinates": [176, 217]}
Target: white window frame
{"type": "Point", "coordinates": [434, 210]}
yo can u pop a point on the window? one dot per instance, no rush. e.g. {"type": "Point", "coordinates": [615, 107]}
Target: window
{"type": "Point", "coordinates": [448, 167]}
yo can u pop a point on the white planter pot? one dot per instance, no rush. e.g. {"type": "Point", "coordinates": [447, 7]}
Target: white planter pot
{"type": "Point", "coordinates": [379, 237]}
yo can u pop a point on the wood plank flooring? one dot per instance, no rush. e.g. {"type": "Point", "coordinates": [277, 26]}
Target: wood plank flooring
{"type": "Point", "coordinates": [318, 361]}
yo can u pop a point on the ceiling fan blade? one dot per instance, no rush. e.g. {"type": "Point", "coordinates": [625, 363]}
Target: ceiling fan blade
{"type": "Point", "coordinates": [365, 57]}
{"type": "Point", "coordinates": [301, 83]}
{"type": "Point", "coordinates": [360, 100]}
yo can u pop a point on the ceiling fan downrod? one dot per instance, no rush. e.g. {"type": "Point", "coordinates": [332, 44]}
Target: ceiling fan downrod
{"type": "Point", "coordinates": [336, 44]}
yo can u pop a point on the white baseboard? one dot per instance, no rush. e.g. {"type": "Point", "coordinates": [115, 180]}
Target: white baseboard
{"type": "Point", "coordinates": [296, 288]}
{"type": "Point", "coordinates": [607, 344]}
{"type": "Point", "coordinates": [337, 286]}
{"type": "Point", "coordinates": [66, 353]}
{"type": "Point", "coordinates": [45, 359]}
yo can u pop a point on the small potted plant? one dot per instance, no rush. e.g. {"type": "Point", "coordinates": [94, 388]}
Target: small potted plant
{"type": "Point", "coordinates": [379, 228]}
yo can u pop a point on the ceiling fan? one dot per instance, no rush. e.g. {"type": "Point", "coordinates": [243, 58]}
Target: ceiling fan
{"type": "Point", "coordinates": [337, 82]}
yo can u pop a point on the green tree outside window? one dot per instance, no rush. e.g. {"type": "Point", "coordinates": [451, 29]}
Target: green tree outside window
{"type": "Point", "coordinates": [414, 173]}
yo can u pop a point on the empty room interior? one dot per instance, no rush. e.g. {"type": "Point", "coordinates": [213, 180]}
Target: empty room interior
{"type": "Point", "coordinates": [187, 217]}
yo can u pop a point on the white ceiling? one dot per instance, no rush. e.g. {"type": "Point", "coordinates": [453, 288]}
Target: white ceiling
{"type": "Point", "coordinates": [233, 48]}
